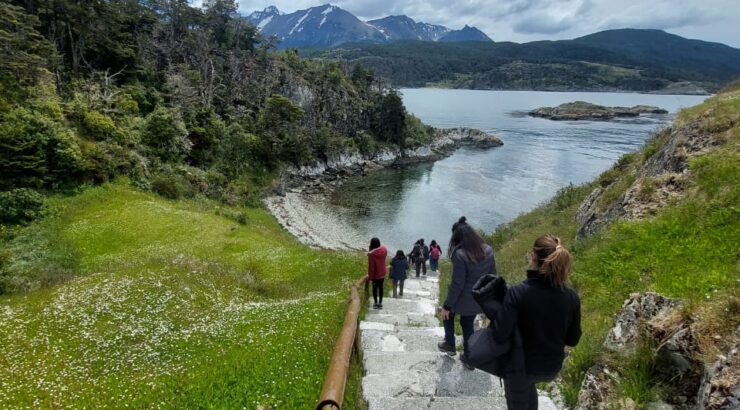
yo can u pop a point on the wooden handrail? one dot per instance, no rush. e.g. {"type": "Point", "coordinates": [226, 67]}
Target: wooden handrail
{"type": "Point", "coordinates": [332, 394]}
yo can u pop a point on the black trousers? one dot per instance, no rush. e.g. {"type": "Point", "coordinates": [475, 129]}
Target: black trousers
{"type": "Point", "coordinates": [421, 264]}
{"type": "Point", "coordinates": [378, 290]}
{"type": "Point", "coordinates": [521, 390]}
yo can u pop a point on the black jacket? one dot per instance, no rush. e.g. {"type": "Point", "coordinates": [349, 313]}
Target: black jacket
{"type": "Point", "coordinates": [548, 318]}
{"type": "Point", "coordinates": [489, 292]}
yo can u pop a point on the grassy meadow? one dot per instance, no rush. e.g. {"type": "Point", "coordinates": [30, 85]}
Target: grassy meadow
{"type": "Point", "coordinates": [136, 301]}
{"type": "Point", "coordinates": [689, 250]}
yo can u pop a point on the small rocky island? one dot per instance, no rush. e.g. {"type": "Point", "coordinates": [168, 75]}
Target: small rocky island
{"type": "Point", "coordinates": [581, 110]}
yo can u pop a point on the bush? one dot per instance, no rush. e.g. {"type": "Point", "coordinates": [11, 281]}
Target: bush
{"type": "Point", "coordinates": [238, 149]}
{"type": "Point", "coordinates": [99, 126]}
{"type": "Point", "coordinates": [20, 206]}
{"type": "Point", "coordinates": [170, 185]}
{"type": "Point", "coordinates": [36, 150]}
{"type": "Point", "coordinates": [165, 135]}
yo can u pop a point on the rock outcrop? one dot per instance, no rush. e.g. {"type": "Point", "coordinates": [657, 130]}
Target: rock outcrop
{"type": "Point", "coordinates": [659, 181]}
{"type": "Point", "coordinates": [639, 309]}
{"type": "Point", "coordinates": [596, 389]}
{"type": "Point", "coordinates": [581, 110]}
{"type": "Point", "coordinates": [686, 383]}
{"type": "Point", "coordinates": [720, 386]}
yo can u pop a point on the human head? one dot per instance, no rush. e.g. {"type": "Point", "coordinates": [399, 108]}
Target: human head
{"type": "Point", "coordinates": [433, 243]}
{"type": "Point", "coordinates": [551, 258]}
{"type": "Point", "coordinates": [421, 241]}
{"type": "Point", "coordinates": [461, 221]}
{"type": "Point", "coordinates": [468, 240]}
{"type": "Point", "coordinates": [374, 243]}
{"type": "Point", "coordinates": [400, 254]}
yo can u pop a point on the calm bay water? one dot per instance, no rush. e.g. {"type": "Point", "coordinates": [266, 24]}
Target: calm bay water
{"type": "Point", "coordinates": [491, 187]}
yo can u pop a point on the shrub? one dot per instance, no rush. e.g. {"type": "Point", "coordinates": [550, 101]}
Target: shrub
{"type": "Point", "coordinates": [20, 206]}
{"type": "Point", "coordinates": [238, 149]}
{"type": "Point", "coordinates": [36, 150]}
{"type": "Point", "coordinates": [165, 135]}
{"type": "Point", "coordinates": [170, 185]}
{"type": "Point", "coordinates": [98, 126]}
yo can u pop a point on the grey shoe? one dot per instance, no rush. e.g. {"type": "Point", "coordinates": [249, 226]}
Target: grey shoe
{"type": "Point", "coordinates": [446, 348]}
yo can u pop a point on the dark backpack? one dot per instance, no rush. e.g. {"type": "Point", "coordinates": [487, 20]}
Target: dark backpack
{"type": "Point", "coordinates": [484, 352]}
{"type": "Point", "coordinates": [426, 252]}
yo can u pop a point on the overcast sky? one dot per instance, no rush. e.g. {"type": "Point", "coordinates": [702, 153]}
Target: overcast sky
{"type": "Point", "coordinates": [528, 20]}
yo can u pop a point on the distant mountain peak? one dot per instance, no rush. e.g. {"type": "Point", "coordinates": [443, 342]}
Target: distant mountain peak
{"type": "Point", "coordinates": [467, 33]}
{"type": "Point", "coordinates": [328, 25]}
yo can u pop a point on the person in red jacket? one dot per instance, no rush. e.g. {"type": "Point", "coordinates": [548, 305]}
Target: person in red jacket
{"type": "Point", "coordinates": [376, 270]}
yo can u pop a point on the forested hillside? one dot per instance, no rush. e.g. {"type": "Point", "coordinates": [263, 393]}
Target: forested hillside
{"type": "Point", "coordinates": [637, 60]}
{"type": "Point", "coordinates": [185, 101]}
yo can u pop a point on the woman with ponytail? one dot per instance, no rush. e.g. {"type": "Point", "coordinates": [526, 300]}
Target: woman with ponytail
{"type": "Point", "coordinates": [548, 315]}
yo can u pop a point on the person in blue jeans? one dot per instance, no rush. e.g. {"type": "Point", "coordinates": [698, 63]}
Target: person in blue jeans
{"type": "Point", "coordinates": [435, 251]}
{"type": "Point", "coordinates": [471, 259]}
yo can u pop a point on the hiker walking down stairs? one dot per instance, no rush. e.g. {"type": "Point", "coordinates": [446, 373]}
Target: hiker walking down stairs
{"type": "Point", "coordinates": [399, 267]}
{"type": "Point", "coordinates": [471, 259]}
{"type": "Point", "coordinates": [435, 251]}
{"type": "Point", "coordinates": [547, 313]}
{"type": "Point", "coordinates": [376, 270]}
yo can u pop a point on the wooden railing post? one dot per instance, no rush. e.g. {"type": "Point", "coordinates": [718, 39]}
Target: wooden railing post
{"type": "Point", "coordinates": [332, 394]}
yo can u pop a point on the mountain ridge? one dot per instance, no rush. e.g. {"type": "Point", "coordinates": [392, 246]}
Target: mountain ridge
{"type": "Point", "coordinates": [611, 60]}
{"type": "Point", "coordinates": [329, 25]}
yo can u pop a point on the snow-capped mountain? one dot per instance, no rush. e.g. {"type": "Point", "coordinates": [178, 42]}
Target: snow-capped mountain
{"type": "Point", "coordinates": [466, 33]}
{"type": "Point", "coordinates": [405, 28]}
{"type": "Point", "coordinates": [328, 26]}
{"type": "Point", "coordinates": [322, 26]}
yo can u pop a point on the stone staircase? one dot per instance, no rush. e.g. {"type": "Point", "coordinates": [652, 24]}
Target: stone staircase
{"type": "Point", "coordinates": [404, 369]}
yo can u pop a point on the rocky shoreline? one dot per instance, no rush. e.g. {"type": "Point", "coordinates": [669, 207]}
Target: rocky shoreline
{"type": "Point", "coordinates": [581, 110]}
{"type": "Point", "coordinates": [297, 200]}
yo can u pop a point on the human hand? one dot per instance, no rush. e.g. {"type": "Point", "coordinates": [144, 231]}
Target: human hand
{"type": "Point", "coordinates": [445, 314]}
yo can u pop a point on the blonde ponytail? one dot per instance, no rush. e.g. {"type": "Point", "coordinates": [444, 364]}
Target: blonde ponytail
{"type": "Point", "coordinates": [553, 260]}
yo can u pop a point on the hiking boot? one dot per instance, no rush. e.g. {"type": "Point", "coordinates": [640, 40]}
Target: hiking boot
{"type": "Point", "coordinates": [464, 361]}
{"type": "Point", "coordinates": [446, 348]}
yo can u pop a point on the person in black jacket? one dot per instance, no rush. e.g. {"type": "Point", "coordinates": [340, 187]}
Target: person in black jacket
{"type": "Point", "coordinates": [471, 259]}
{"type": "Point", "coordinates": [547, 314]}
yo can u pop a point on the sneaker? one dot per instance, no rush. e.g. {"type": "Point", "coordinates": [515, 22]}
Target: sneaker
{"type": "Point", "coordinates": [446, 348]}
{"type": "Point", "coordinates": [464, 361]}
{"type": "Point", "coordinates": [375, 305]}
{"type": "Point", "coordinates": [380, 306]}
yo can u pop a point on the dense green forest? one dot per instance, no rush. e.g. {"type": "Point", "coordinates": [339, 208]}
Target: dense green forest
{"type": "Point", "coordinates": [184, 101]}
{"type": "Point", "coordinates": [637, 60]}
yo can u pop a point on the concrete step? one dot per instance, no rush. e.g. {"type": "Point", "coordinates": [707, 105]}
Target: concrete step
{"type": "Point", "coordinates": [421, 306]}
{"type": "Point", "coordinates": [419, 361]}
{"type": "Point", "coordinates": [448, 403]}
{"type": "Point", "coordinates": [409, 340]}
{"type": "Point", "coordinates": [438, 403]}
{"type": "Point", "coordinates": [412, 383]}
{"type": "Point", "coordinates": [408, 320]}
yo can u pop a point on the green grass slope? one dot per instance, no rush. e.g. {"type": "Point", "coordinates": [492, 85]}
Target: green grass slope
{"type": "Point", "coordinates": [688, 250]}
{"type": "Point", "coordinates": [166, 304]}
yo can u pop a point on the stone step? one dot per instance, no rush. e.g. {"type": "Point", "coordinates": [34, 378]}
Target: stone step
{"type": "Point", "coordinates": [409, 320]}
{"type": "Point", "coordinates": [418, 361]}
{"type": "Point", "coordinates": [413, 383]}
{"type": "Point", "coordinates": [409, 340]}
{"type": "Point", "coordinates": [390, 305]}
{"type": "Point", "coordinates": [448, 403]}
{"type": "Point", "coordinates": [438, 403]}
